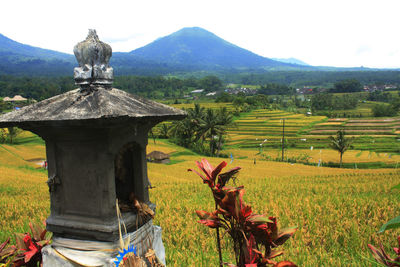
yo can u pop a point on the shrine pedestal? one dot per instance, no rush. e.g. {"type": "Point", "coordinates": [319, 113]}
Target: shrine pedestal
{"type": "Point", "coordinates": [72, 252]}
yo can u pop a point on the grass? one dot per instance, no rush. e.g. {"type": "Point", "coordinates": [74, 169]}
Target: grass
{"type": "Point", "coordinates": [338, 211]}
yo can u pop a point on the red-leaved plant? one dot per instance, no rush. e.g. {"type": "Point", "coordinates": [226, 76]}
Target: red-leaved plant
{"type": "Point", "coordinates": [379, 253]}
{"type": "Point", "coordinates": [27, 251]}
{"type": "Point", "coordinates": [255, 236]}
{"type": "Point", "coordinates": [382, 257]}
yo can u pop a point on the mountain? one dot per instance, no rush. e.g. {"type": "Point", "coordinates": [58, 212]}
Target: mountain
{"type": "Point", "coordinates": [199, 48]}
{"type": "Point", "coordinates": [291, 60]}
{"type": "Point", "coordinates": [9, 46]}
{"type": "Point", "coordinates": [185, 51]}
{"type": "Point", "coordinates": [22, 59]}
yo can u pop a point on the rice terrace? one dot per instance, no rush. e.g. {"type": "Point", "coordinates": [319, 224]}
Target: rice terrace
{"type": "Point", "coordinates": [355, 201]}
{"type": "Point", "coordinates": [192, 150]}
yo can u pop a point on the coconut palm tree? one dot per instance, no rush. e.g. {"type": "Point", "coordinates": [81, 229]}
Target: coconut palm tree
{"type": "Point", "coordinates": [225, 119]}
{"type": "Point", "coordinates": [183, 131]}
{"type": "Point", "coordinates": [213, 126]}
{"type": "Point", "coordinates": [164, 130]}
{"type": "Point", "coordinates": [210, 128]}
{"type": "Point", "coordinates": [340, 143]}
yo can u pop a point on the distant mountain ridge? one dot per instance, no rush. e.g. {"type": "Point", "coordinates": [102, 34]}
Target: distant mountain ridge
{"type": "Point", "coordinates": [185, 51]}
{"type": "Point", "coordinates": [10, 46]}
{"type": "Point", "coordinates": [198, 47]}
{"type": "Point", "coordinates": [292, 60]}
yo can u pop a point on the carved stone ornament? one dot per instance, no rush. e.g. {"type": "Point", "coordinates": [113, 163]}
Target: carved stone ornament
{"type": "Point", "coordinates": [93, 57]}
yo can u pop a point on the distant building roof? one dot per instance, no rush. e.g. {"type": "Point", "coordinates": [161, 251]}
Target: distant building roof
{"type": "Point", "coordinates": [15, 98]}
{"type": "Point", "coordinates": [157, 155]}
{"type": "Point", "coordinates": [212, 93]}
{"type": "Point", "coordinates": [198, 91]}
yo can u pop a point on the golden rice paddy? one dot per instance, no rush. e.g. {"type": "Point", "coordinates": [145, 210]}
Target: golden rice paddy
{"type": "Point", "coordinates": [338, 211]}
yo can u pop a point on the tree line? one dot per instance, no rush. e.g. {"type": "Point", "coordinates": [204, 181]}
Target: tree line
{"type": "Point", "coordinates": [312, 78]}
{"type": "Point", "coordinates": [40, 88]}
{"type": "Point", "coordinates": [327, 101]}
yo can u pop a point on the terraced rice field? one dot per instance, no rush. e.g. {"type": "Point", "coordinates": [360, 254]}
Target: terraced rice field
{"type": "Point", "coordinates": [315, 156]}
{"type": "Point", "coordinates": [379, 135]}
{"type": "Point", "coordinates": [371, 127]}
{"type": "Point", "coordinates": [251, 130]}
{"type": "Point", "coordinates": [264, 128]}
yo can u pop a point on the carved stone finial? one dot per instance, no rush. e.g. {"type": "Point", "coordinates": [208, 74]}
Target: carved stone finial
{"type": "Point", "coordinates": [93, 57]}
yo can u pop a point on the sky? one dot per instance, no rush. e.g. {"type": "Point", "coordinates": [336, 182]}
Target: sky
{"type": "Point", "coordinates": [338, 33]}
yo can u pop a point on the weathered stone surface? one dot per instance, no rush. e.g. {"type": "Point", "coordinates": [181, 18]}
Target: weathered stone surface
{"type": "Point", "coordinates": [93, 57]}
{"type": "Point", "coordinates": [76, 107]}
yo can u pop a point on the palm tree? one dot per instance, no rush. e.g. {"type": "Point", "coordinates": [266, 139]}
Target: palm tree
{"type": "Point", "coordinates": [12, 133]}
{"type": "Point", "coordinates": [340, 143]}
{"type": "Point", "coordinates": [183, 131]}
{"type": "Point", "coordinates": [196, 116]}
{"type": "Point", "coordinates": [164, 130]}
{"type": "Point", "coordinates": [225, 119]}
{"type": "Point", "coordinates": [210, 128]}
{"type": "Point", "coordinates": [213, 126]}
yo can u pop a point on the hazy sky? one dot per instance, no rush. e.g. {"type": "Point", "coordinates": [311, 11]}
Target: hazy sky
{"type": "Point", "coordinates": [339, 33]}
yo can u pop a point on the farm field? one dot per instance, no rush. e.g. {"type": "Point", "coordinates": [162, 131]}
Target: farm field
{"type": "Point", "coordinates": [251, 130]}
{"type": "Point", "coordinates": [316, 156]}
{"type": "Point", "coordinates": [263, 128]}
{"type": "Point", "coordinates": [338, 211]}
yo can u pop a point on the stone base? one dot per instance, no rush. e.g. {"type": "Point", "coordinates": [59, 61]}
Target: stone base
{"type": "Point", "coordinates": [72, 252]}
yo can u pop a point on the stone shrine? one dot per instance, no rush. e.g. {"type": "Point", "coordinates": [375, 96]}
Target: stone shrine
{"type": "Point", "coordinates": [96, 139]}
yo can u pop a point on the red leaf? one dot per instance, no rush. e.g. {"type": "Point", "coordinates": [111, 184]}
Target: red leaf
{"type": "Point", "coordinates": [38, 232]}
{"type": "Point", "coordinates": [206, 166]}
{"type": "Point", "coordinates": [31, 248]}
{"type": "Point", "coordinates": [273, 227]}
{"type": "Point", "coordinates": [29, 254]}
{"type": "Point", "coordinates": [217, 170]}
{"type": "Point", "coordinates": [4, 244]}
{"type": "Point", "coordinates": [230, 203]}
{"type": "Point", "coordinates": [275, 253]}
{"type": "Point", "coordinates": [8, 251]}
{"type": "Point", "coordinates": [223, 212]}
{"type": "Point", "coordinates": [284, 235]}
{"type": "Point", "coordinates": [258, 219]}
{"type": "Point", "coordinates": [380, 255]}
{"type": "Point", "coordinates": [202, 177]}
{"type": "Point", "coordinates": [211, 223]}
{"type": "Point", "coordinates": [246, 211]}
{"type": "Point", "coordinates": [19, 240]}
{"type": "Point", "coordinates": [251, 256]}
{"type": "Point", "coordinates": [285, 264]}
{"type": "Point", "coordinates": [203, 215]}
{"type": "Point", "coordinates": [223, 178]}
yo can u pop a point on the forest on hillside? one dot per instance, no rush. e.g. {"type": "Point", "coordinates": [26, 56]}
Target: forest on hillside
{"type": "Point", "coordinates": [158, 87]}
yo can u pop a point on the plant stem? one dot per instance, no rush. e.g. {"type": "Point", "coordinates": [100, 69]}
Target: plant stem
{"type": "Point", "coordinates": [218, 242]}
